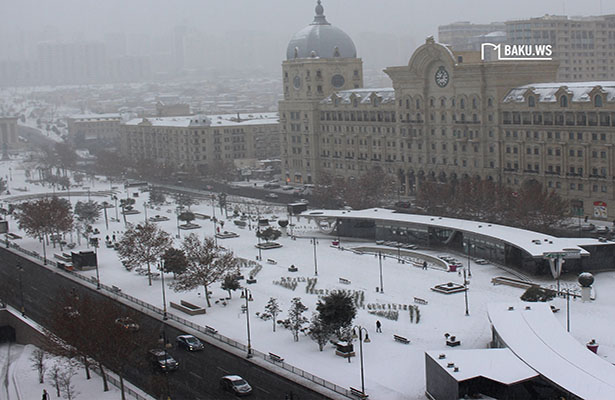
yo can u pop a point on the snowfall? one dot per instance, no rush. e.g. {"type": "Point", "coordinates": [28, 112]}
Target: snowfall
{"type": "Point", "coordinates": [393, 370]}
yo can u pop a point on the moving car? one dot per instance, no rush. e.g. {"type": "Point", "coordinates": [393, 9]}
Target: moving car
{"type": "Point", "coordinates": [272, 196]}
{"type": "Point", "coordinates": [189, 343]}
{"type": "Point", "coordinates": [163, 360]}
{"type": "Point", "coordinates": [235, 384]}
{"type": "Point", "coordinates": [128, 324]}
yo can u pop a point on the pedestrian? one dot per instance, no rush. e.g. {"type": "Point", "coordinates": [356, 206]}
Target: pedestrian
{"type": "Point", "coordinates": [113, 238]}
{"type": "Point", "coordinates": [424, 264]}
{"type": "Point", "coordinates": [378, 327]}
{"type": "Point", "coordinates": [45, 395]}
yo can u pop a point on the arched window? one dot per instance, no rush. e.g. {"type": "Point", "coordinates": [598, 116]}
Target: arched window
{"type": "Point", "coordinates": [531, 101]}
{"type": "Point", "coordinates": [563, 101]}
{"type": "Point", "coordinates": [598, 101]}
{"type": "Point", "coordinates": [490, 102]}
{"type": "Point", "coordinates": [462, 103]}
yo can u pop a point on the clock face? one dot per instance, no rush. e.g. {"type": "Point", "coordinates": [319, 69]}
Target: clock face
{"type": "Point", "coordinates": [337, 81]}
{"type": "Point", "coordinates": [297, 82]}
{"type": "Point", "coordinates": [441, 77]}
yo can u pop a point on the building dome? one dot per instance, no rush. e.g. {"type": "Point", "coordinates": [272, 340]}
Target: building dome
{"type": "Point", "coordinates": [320, 39]}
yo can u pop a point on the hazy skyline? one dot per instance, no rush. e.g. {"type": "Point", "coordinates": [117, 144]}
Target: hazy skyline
{"type": "Point", "coordinates": [94, 18]}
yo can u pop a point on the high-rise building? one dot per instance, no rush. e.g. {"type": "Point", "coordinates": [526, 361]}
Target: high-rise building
{"type": "Point", "coordinates": [466, 36]}
{"type": "Point", "coordinates": [584, 46]}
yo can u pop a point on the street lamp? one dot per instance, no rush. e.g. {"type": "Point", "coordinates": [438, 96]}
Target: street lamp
{"type": "Point", "coordinates": [94, 243]}
{"type": "Point", "coordinates": [380, 257]}
{"type": "Point", "coordinates": [470, 246]}
{"type": "Point", "coordinates": [20, 270]}
{"type": "Point", "coordinates": [164, 299]}
{"type": "Point", "coordinates": [248, 296]}
{"type": "Point", "coordinates": [177, 211]}
{"type": "Point", "coordinates": [465, 292]}
{"type": "Point", "coordinates": [314, 241]}
{"type": "Point", "coordinates": [145, 210]}
{"type": "Point", "coordinates": [360, 336]}
{"type": "Point", "coordinates": [258, 236]}
{"type": "Point", "coordinates": [117, 217]}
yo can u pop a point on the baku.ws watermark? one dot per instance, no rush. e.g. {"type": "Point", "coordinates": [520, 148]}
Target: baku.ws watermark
{"type": "Point", "coordinates": [516, 52]}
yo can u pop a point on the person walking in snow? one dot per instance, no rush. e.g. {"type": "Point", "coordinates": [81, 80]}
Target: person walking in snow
{"type": "Point", "coordinates": [45, 395]}
{"type": "Point", "coordinates": [378, 327]}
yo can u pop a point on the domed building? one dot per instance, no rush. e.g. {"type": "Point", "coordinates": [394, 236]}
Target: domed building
{"type": "Point", "coordinates": [320, 39]}
{"type": "Point", "coordinates": [320, 60]}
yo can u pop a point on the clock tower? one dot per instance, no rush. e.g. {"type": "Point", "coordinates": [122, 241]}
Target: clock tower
{"type": "Point", "coordinates": [320, 59]}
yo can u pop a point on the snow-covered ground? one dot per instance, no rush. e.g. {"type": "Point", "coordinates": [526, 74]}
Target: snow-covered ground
{"type": "Point", "coordinates": [392, 370]}
{"type": "Point", "coordinates": [19, 379]}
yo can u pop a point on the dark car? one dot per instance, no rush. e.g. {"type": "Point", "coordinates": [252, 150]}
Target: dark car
{"type": "Point", "coordinates": [235, 384]}
{"type": "Point", "coordinates": [163, 360]}
{"type": "Point", "coordinates": [189, 343]}
{"type": "Point", "coordinates": [128, 324]}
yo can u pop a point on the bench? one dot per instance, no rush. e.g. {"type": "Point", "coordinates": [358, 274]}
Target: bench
{"type": "Point", "coordinates": [62, 257]}
{"type": "Point", "coordinates": [188, 308]}
{"type": "Point", "coordinates": [344, 281]}
{"type": "Point", "coordinates": [452, 341]}
{"type": "Point", "coordinates": [275, 357]}
{"type": "Point", "coordinates": [115, 289]}
{"type": "Point", "coordinates": [418, 300]}
{"type": "Point", "coordinates": [358, 393]}
{"type": "Point", "coordinates": [271, 261]}
{"type": "Point", "coordinates": [401, 339]}
{"type": "Point", "coordinates": [210, 330]}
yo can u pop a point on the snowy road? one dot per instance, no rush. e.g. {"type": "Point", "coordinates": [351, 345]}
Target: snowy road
{"type": "Point", "coordinates": [9, 388]}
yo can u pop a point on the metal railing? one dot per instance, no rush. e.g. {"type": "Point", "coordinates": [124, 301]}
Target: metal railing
{"type": "Point", "coordinates": [287, 367]}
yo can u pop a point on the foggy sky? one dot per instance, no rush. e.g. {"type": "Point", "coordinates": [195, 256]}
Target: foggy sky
{"type": "Point", "coordinates": [93, 18]}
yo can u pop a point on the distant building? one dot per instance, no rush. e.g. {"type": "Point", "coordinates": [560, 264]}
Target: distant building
{"type": "Point", "coordinates": [195, 143]}
{"type": "Point", "coordinates": [584, 46]}
{"type": "Point", "coordinates": [466, 36]}
{"type": "Point", "coordinates": [72, 63]}
{"type": "Point", "coordinates": [94, 127]}
{"type": "Point", "coordinates": [8, 134]}
{"type": "Point", "coordinates": [171, 109]}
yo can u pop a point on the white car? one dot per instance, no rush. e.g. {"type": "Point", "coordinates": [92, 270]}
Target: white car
{"type": "Point", "coordinates": [236, 385]}
{"type": "Point", "coordinates": [272, 196]}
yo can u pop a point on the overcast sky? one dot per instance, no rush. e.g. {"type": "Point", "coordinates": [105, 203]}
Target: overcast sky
{"type": "Point", "coordinates": [414, 17]}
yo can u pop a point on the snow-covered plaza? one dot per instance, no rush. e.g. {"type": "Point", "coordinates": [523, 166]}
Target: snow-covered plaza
{"type": "Point", "coordinates": [393, 370]}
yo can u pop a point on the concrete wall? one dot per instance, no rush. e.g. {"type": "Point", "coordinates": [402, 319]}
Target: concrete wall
{"type": "Point", "coordinates": [25, 332]}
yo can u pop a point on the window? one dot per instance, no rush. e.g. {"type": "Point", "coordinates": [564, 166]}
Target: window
{"type": "Point", "coordinates": [598, 101]}
{"type": "Point", "coordinates": [563, 101]}
{"type": "Point", "coordinates": [531, 101]}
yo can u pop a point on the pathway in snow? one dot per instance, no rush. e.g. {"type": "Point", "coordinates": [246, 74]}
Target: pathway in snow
{"type": "Point", "coordinates": [10, 386]}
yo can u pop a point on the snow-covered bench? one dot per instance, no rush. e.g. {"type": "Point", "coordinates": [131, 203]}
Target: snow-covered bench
{"type": "Point", "coordinates": [275, 357]}
{"type": "Point", "coordinates": [401, 339]}
{"type": "Point", "coordinates": [358, 393]}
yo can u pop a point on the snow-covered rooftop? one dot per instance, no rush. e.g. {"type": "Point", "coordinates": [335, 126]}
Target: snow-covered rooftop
{"type": "Point", "coordinates": [545, 92]}
{"type": "Point", "coordinates": [533, 334]}
{"type": "Point", "coordinates": [499, 365]}
{"type": "Point", "coordinates": [228, 120]}
{"type": "Point", "coordinates": [386, 95]}
{"type": "Point", "coordinates": [534, 243]}
{"type": "Point", "coordinates": [95, 117]}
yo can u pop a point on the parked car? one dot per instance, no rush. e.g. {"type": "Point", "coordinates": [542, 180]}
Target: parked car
{"type": "Point", "coordinates": [602, 229]}
{"type": "Point", "coordinates": [272, 196]}
{"type": "Point", "coordinates": [287, 187]}
{"type": "Point", "coordinates": [189, 343]}
{"type": "Point", "coordinates": [163, 360]}
{"type": "Point", "coordinates": [588, 227]}
{"type": "Point", "coordinates": [127, 323]}
{"type": "Point", "coordinates": [235, 384]}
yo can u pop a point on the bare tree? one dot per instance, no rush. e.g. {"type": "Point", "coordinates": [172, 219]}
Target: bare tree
{"type": "Point", "coordinates": [38, 363]}
{"type": "Point", "coordinates": [66, 382]}
{"type": "Point", "coordinates": [296, 317]}
{"type": "Point", "coordinates": [143, 244]}
{"type": "Point", "coordinates": [273, 308]}
{"type": "Point", "coordinates": [54, 374]}
{"type": "Point", "coordinates": [207, 263]}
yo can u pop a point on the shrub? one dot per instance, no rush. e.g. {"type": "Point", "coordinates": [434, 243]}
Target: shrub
{"type": "Point", "coordinates": [536, 293]}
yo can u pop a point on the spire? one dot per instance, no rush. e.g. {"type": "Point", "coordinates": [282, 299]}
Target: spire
{"type": "Point", "coordinates": [319, 18]}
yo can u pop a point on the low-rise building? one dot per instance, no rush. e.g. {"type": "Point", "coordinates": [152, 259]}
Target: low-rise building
{"type": "Point", "coordinates": [99, 127]}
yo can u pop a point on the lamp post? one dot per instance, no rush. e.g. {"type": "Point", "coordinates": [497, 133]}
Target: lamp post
{"type": "Point", "coordinates": [117, 217]}
{"type": "Point", "coordinates": [380, 257]}
{"type": "Point", "coordinates": [94, 242]}
{"type": "Point", "coordinates": [145, 210]}
{"type": "Point", "coordinates": [213, 208]}
{"type": "Point", "coordinates": [258, 232]}
{"type": "Point", "coordinates": [165, 346]}
{"type": "Point", "coordinates": [248, 296]}
{"type": "Point", "coordinates": [360, 336]}
{"type": "Point", "coordinates": [469, 246]}
{"type": "Point", "coordinates": [177, 211]}
{"type": "Point", "coordinates": [20, 270]}
{"type": "Point", "coordinates": [105, 204]}
{"type": "Point", "coordinates": [314, 241]}
{"type": "Point", "coordinates": [465, 292]}
{"type": "Point", "coordinates": [164, 299]}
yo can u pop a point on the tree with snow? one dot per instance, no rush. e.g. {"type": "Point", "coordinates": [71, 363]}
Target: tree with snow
{"type": "Point", "coordinates": [87, 212]}
{"type": "Point", "coordinates": [230, 282]}
{"type": "Point", "coordinates": [319, 331]}
{"type": "Point", "coordinates": [296, 317]}
{"type": "Point", "coordinates": [156, 197]}
{"type": "Point", "coordinates": [184, 200]}
{"type": "Point", "coordinates": [126, 205]}
{"type": "Point", "coordinates": [175, 261]}
{"type": "Point", "coordinates": [207, 263]}
{"type": "Point", "coordinates": [273, 308]}
{"type": "Point", "coordinates": [336, 311]}
{"type": "Point", "coordinates": [268, 234]}
{"type": "Point", "coordinates": [187, 217]}
{"type": "Point", "coordinates": [143, 244]}
{"type": "Point", "coordinates": [66, 383]}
